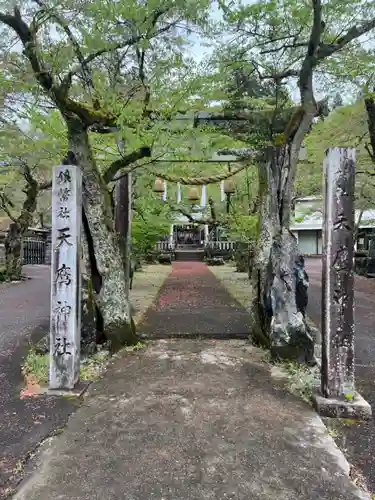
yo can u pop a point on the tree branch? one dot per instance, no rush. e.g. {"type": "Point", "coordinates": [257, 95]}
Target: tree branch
{"type": "Point", "coordinates": [64, 25]}
{"type": "Point", "coordinates": [45, 79]}
{"type": "Point", "coordinates": [183, 212]}
{"type": "Point", "coordinates": [326, 50]}
{"type": "Point", "coordinates": [241, 153]}
{"type": "Point", "coordinates": [27, 37]}
{"type": "Point", "coordinates": [114, 167]}
{"type": "Point", "coordinates": [6, 204]}
{"type": "Point", "coordinates": [58, 93]}
{"type": "Point", "coordinates": [29, 205]}
{"type": "Point", "coordinates": [289, 153]}
{"type": "Point", "coordinates": [189, 216]}
{"type": "Point", "coordinates": [283, 47]}
{"type": "Point", "coordinates": [132, 40]}
{"type": "Point", "coordinates": [306, 74]}
{"type": "Point", "coordinates": [43, 186]}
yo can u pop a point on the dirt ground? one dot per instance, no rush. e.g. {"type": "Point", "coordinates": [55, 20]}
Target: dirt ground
{"type": "Point", "coordinates": [146, 285]}
{"type": "Point", "coordinates": [237, 284]}
{"type": "Point", "coordinates": [191, 418]}
{"type": "Point", "coordinates": [24, 312]}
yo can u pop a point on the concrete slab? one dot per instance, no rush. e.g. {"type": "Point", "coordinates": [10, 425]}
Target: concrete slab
{"type": "Point", "coordinates": [192, 420]}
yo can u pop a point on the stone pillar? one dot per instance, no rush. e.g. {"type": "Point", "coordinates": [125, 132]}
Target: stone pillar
{"type": "Point", "coordinates": [65, 332]}
{"type": "Point", "coordinates": [337, 396]}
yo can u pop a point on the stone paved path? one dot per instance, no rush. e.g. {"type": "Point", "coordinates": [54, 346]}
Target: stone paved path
{"type": "Point", "coordinates": [358, 440]}
{"type": "Point", "coordinates": [24, 316]}
{"type": "Point", "coordinates": [191, 419]}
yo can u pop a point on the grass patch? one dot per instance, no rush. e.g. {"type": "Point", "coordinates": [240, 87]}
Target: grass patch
{"type": "Point", "coordinates": [301, 379]}
{"type": "Point", "coordinates": [145, 289]}
{"type": "Point", "coordinates": [136, 347]}
{"type": "Point", "coordinates": [3, 274]}
{"type": "Point", "coordinates": [237, 284]}
{"type": "Point", "coordinates": [348, 422]}
{"type": "Point", "coordinates": [334, 433]}
{"type": "Point", "coordinates": [37, 366]}
{"type": "Point", "coordinates": [92, 366]}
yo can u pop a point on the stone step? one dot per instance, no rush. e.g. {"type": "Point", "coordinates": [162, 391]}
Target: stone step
{"type": "Point", "coordinates": [189, 255]}
{"type": "Point", "coordinates": [189, 247]}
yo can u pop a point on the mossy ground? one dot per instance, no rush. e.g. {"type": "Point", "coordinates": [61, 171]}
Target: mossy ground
{"type": "Point", "coordinates": [237, 284]}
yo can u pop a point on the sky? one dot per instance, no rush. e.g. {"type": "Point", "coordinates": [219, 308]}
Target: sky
{"type": "Point", "coordinates": [199, 51]}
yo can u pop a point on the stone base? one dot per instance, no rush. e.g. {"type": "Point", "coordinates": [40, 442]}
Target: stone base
{"type": "Point", "coordinates": [77, 392]}
{"type": "Point", "coordinates": [357, 409]}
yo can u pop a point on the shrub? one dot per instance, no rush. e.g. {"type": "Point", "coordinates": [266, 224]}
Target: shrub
{"type": "Point", "coordinates": [145, 235]}
{"type": "Point", "coordinates": [3, 274]}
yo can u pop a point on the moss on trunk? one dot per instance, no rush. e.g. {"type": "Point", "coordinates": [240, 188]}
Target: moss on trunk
{"type": "Point", "coordinates": [277, 275]}
{"type": "Point", "coordinates": [17, 229]}
{"type": "Point", "coordinates": [13, 253]}
{"type": "Point", "coordinates": [105, 258]}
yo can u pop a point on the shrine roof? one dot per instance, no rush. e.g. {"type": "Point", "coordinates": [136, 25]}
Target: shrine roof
{"type": "Point", "coordinates": [315, 221]}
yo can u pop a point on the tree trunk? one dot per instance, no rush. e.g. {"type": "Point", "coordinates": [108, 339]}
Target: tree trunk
{"type": "Point", "coordinates": [106, 264]}
{"type": "Point", "coordinates": [370, 110]}
{"type": "Point", "coordinates": [13, 252]}
{"type": "Point", "coordinates": [91, 320]}
{"type": "Point", "coordinates": [279, 281]}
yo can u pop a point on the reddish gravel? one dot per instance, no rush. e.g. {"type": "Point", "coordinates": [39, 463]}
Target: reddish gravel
{"type": "Point", "coordinates": [194, 294]}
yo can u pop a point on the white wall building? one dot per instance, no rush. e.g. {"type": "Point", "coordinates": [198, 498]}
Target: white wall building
{"type": "Point", "coordinates": [308, 224]}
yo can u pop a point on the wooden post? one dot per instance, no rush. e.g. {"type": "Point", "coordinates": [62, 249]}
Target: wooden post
{"type": "Point", "coordinates": [228, 194]}
{"type": "Point", "coordinates": [65, 330]}
{"type": "Point", "coordinates": [123, 214]}
{"type": "Point", "coordinates": [337, 376]}
{"type": "Point", "coordinates": [123, 220]}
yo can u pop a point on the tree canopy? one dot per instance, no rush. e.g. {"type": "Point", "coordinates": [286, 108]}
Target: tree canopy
{"type": "Point", "coordinates": [123, 65]}
{"type": "Point", "coordinates": [346, 126]}
{"type": "Point", "coordinates": [103, 83]}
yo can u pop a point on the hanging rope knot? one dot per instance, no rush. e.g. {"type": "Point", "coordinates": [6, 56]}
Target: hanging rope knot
{"type": "Point", "coordinates": [199, 181]}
